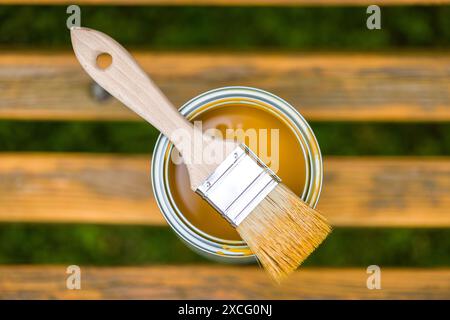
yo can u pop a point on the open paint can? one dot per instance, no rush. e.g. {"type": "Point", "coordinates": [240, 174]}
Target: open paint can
{"type": "Point", "coordinates": [272, 128]}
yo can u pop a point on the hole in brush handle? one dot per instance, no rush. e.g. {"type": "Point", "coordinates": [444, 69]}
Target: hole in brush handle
{"type": "Point", "coordinates": [103, 61]}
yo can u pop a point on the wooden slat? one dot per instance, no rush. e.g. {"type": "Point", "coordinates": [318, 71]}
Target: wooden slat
{"type": "Point", "coordinates": [77, 188]}
{"type": "Point", "coordinates": [232, 2]}
{"type": "Point", "coordinates": [321, 86]}
{"type": "Point", "coordinates": [219, 282]}
{"type": "Point", "coordinates": [387, 191]}
{"type": "Point", "coordinates": [358, 192]}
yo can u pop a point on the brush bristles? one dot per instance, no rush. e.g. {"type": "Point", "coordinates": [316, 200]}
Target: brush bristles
{"type": "Point", "coordinates": [282, 231]}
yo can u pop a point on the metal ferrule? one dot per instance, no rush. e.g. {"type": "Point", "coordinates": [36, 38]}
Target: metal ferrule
{"type": "Point", "coordinates": [238, 185]}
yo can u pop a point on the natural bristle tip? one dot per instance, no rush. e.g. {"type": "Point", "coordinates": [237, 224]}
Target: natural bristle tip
{"type": "Point", "coordinates": [282, 231]}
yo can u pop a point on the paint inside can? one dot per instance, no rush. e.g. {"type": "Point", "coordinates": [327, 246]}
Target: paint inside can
{"type": "Point", "coordinates": [258, 127]}
{"type": "Point", "coordinates": [272, 128]}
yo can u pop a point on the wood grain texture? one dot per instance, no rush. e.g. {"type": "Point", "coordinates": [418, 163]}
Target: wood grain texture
{"type": "Point", "coordinates": [358, 192]}
{"type": "Point", "coordinates": [389, 192]}
{"type": "Point", "coordinates": [378, 87]}
{"type": "Point", "coordinates": [127, 82]}
{"type": "Point", "coordinates": [231, 2]}
{"type": "Point", "coordinates": [219, 282]}
{"type": "Point", "coordinates": [77, 188]}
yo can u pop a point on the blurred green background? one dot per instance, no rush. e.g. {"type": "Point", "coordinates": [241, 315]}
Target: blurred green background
{"type": "Point", "coordinates": [224, 29]}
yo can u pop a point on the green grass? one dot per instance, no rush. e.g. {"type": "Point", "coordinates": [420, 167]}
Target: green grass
{"type": "Point", "coordinates": [233, 28]}
{"type": "Point", "coordinates": [338, 138]}
{"type": "Point", "coordinates": [215, 28]}
{"type": "Point", "coordinates": [90, 244]}
{"type": "Point", "coordinates": [133, 245]}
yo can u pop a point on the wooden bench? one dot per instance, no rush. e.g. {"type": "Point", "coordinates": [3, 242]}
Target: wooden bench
{"type": "Point", "coordinates": [219, 282]}
{"type": "Point", "coordinates": [326, 87]}
{"type": "Point", "coordinates": [358, 191]}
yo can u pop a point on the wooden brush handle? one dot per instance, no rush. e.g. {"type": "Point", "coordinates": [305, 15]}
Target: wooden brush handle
{"type": "Point", "coordinates": [125, 80]}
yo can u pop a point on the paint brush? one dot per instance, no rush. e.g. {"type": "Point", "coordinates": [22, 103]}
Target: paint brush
{"type": "Point", "coordinates": [280, 229]}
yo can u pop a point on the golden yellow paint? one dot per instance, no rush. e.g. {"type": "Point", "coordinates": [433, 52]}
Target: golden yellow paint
{"type": "Point", "coordinates": [244, 251]}
{"type": "Point", "coordinates": [291, 165]}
